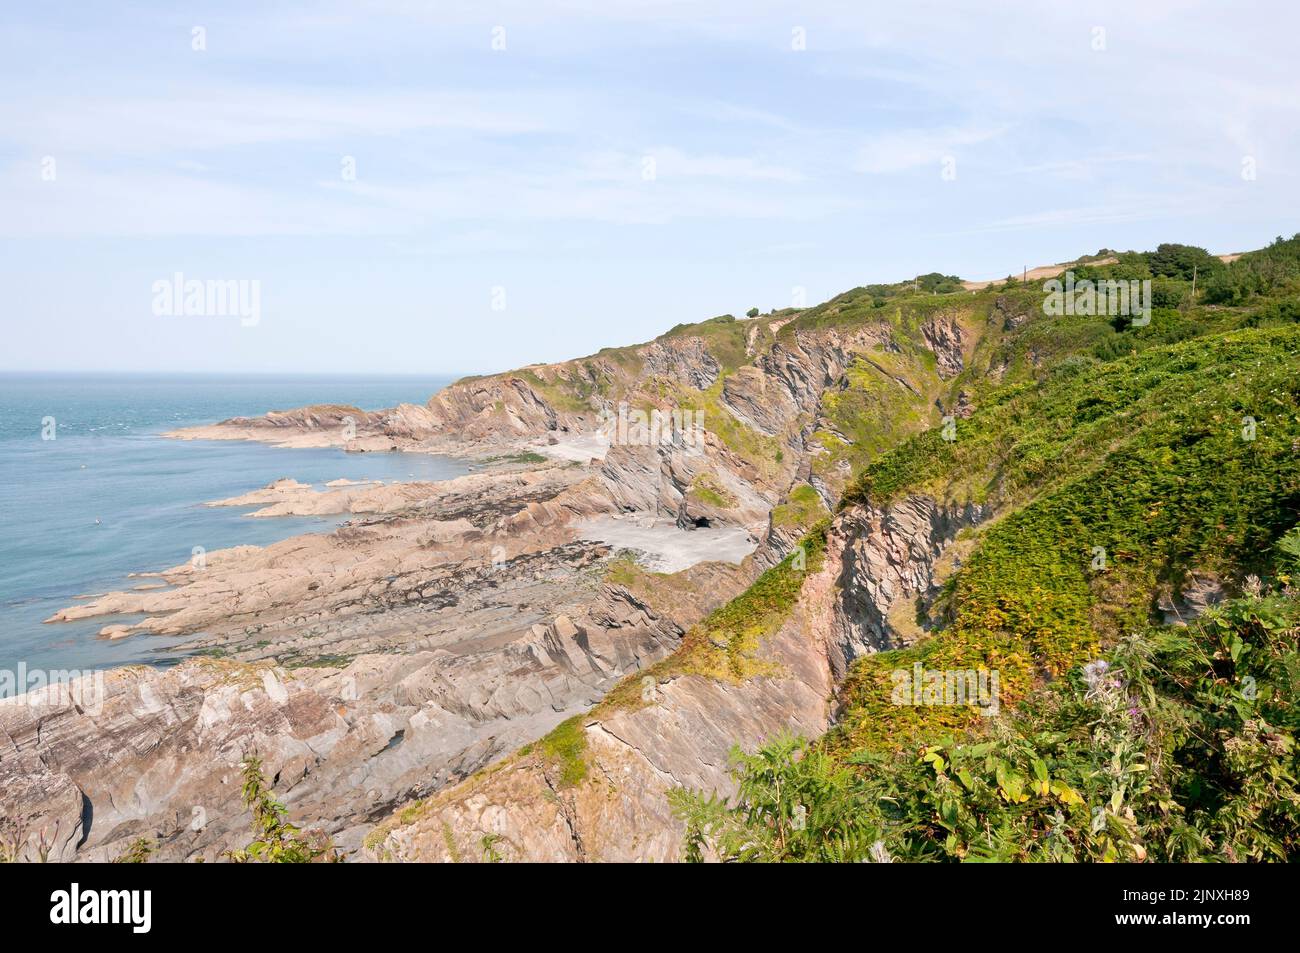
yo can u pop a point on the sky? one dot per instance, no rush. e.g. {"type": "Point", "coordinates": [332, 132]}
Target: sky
{"type": "Point", "coordinates": [447, 187]}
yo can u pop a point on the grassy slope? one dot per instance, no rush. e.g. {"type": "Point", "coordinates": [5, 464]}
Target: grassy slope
{"type": "Point", "coordinates": [723, 646]}
{"type": "Point", "coordinates": [873, 412]}
{"type": "Point", "coordinates": [1135, 441]}
{"type": "Point", "coordinates": [1144, 457]}
{"type": "Point", "coordinates": [1087, 434]}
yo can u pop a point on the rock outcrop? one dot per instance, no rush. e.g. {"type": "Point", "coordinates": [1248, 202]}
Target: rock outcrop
{"type": "Point", "coordinates": [156, 753]}
{"type": "Point", "coordinates": [890, 553]}
{"type": "Point", "coordinates": [944, 336]}
{"type": "Point", "coordinates": [679, 737]}
{"type": "Point", "coordinates": [681, 730]}
{"type": "Point", "coordinates": [379, 669]}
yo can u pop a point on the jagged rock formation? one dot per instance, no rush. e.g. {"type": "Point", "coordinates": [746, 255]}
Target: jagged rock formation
{"type": "Point", "coordinates": [890, 553]}
{"type": "Point", "coordinates": [156, 753]}
{"type": "Point", "coordinates": [684, 360]}
{"type": "Point", "coordinates": [461, 662]}
{"type": "Point", "coordinates": [943, 333]}
{"type": "Point", "coordinates": [681, 731]}
{"type": "Point", "coordinates": [447, 624]}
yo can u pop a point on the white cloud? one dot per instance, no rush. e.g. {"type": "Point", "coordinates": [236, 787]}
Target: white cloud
{"type": "Point", "coordinates": [670, 162]}
{"type": "Point", "coordinates": [194, 120]}
{"type": "Point", "coordinates": [1138, 210]}
{"type": "Point", "coordinates": [1082, 169]}
{"type": "Point", "coordinates": [607, 188]}
{"type": "Point", "coordinates": [906, 149]}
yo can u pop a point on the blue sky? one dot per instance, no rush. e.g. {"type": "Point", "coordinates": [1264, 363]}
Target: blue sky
{"type": "Point", "coordinates": [617, 168]}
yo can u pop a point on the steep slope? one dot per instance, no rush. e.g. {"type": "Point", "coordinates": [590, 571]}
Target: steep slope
{"type": "Point", "coordinates": [445, 624]}
{"type": "Point", "coordinates": [978, 455]}
{"type": "Point", "coordinates": [1095, 474]}
{"type": "Point", "coordinates": [837, 383]}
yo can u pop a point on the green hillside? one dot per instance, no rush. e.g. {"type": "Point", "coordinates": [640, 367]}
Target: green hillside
{"type": "Point", "coordinates": [1119, 461]}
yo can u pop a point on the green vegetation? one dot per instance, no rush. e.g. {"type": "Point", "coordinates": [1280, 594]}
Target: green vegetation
{"type": "Point", "coordinates": [931, 284]}
{"type": "Point", "coordinates": [1145, 460]}
{"type": "Point", "coordinates": [567, 396]}
{"type": "Point", "coordinates": [526, 456]}
{"type": "Point", "coordinates": [1181, 261]}
{"type": "Point", "coordinates": [707, 489]}
{"type": "Point", "coordinates": [725, 644]}
{"type": "Point", "coordinates": [723, 337]}
{"type": "Point", "coordinates": [904, 309]}
{"type": "Point", "coordinates": [889, 396]}
{"type": "Point", "coordinates": [655, 587]}
{"type": "Point", "coordinates": [749, 444]}
{"type": "Point", "coordinates": [14, 842]}
{"type": "Point", "coordinates": [802, 508]}
{"type": "Point", "coordinates": [138, 852]}
{"type": "Point", "coordinates": [318, 661]}
{"type": "Point", "coordinates": [1269, 272]}
{"type": "Point", "coordinates": [1178, 746]}
{"type": "Point", "coordinates": [491, 854]}
{"type": "Point", "coordinates": [1118, 461]}
{"type": "Point", "coordinates": [566, 748]}
{"type": "Point", "coordinates": [710, 497]}
{"type": "Point", "coordinates": [793, 803]}
{"type": "Point", "coordinates": [275, 840]}
{"type": "Point", "coordinates": [1273, 271]}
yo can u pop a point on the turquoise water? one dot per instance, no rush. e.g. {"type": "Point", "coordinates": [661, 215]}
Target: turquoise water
{"type": "Point", "coordinates": [108, 463]}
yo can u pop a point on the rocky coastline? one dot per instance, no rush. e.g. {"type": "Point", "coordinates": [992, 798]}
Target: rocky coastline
{"type": "Point", "coordinates": [445, 626]}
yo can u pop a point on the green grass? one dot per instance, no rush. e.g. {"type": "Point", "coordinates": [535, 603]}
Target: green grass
{"type": "Point", "coordinates": [744, 441]}
{"type": "Point", "coordinates": [566, 748]}
{"type": "Point", "coordinates": [802, 508]}
{"type": "Point", "coordinates": [723, 337]}
{"type": "Point", "coordinates": [1088, 436]}
{"type": "Point", "coordinates": [889, 397]}
{"type": "Point", "coordinates": [707, 489]}
{"type": "Point", "coordinates": [1143, 457]}
{"type": "Point", "coordinates": [571, 397]}
{"type": "Point", "coordinates": [725, 645]}
{"type": "Point", "coordinates": [526, 456]}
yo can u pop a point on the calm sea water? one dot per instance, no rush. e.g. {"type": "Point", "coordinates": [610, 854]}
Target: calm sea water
{"type": "Point", "coordinates": [109, 464]}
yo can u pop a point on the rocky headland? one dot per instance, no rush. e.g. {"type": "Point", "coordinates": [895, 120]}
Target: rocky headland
{"type": "Point", "coordinates": [446, 626]}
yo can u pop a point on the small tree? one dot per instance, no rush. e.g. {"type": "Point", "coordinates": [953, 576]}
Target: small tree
{"type": "Point", "coordinates": [751, 313]}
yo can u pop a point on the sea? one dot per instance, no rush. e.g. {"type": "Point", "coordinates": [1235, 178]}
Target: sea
{"type": "Point", "coordinates": [109, 495]}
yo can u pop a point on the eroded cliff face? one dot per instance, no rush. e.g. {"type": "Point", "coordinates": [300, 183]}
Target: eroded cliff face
{"type": "Point", "coordinates": [156, 753]}
{"type": "Point", "coordinates": [686, 361]}
{"type": "Point", "coordinates": [761, 420]}
{"type": "Point", "coordinates": [787, 381]}
{"type": "Point", "coordinates": [678, 732]}
{"type": "Point", "coordinates": [890, 555]}
{"type": "Point", "coordinates": [450, 624]}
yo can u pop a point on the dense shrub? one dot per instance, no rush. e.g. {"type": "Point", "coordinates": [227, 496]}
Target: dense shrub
{"type": "Point", "coordinates": [1178, 745]}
